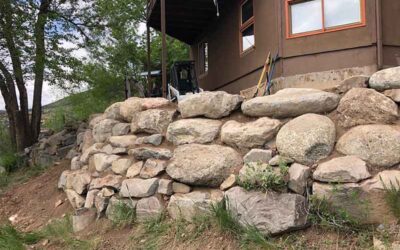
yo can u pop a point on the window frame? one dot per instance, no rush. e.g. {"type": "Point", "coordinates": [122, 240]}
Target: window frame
{"type": "Point", "coordinates": [203, 58]}
{"type": "Point", "coordinates": [324, 29]}
{"type": "Point", "coordinates": [244, 26]}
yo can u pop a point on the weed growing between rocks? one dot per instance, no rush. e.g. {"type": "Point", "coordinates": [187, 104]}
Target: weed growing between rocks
{"type": "Point", "coordinates": [322, 214]}
{"type": "Point", "coordinates": [259, 176]}
{"type": "Point", "coordinates": [123, 215]}
{"type": "Point", "coordinates": [392, 197]}
{"type": "Point", "coordinates": [248, 236]}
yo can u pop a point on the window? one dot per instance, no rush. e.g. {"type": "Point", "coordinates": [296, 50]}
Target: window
{"type": "Point", "coordinates": [247, 35]}
{"type": "Point", "coordinates": [308, 17]}
{"type": "Point", "coordinates": [203, 58]}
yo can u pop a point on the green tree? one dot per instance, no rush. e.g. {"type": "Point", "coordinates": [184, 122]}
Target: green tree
{"type": "Point", "coordinates": [31, 36]}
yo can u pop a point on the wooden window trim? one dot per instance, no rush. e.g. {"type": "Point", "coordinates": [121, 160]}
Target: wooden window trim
{"type": "Point", "coordinates": [289, 34]}
{"type": "Point", "coordinates": [243, 27]}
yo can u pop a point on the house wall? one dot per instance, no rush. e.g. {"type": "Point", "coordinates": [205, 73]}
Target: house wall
{"type": "Point", "coordinates": [391, 32]}
{"type": "Point", "coordinates": [340, 51]}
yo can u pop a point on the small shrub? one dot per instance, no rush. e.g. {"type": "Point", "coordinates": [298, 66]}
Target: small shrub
{"type": "Point", "coordinates": [11, 161]}
{"type": "Point", "coordinates": [392, 197]}
{"type": "Point", "coordinates": [12, 239]}
{"type": "Point", "coordinates": [123, 215]}
{"type": "Point", "coordinates": [263, 177]}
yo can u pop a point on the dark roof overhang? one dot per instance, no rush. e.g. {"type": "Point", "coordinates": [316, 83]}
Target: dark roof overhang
{"type": "Point", "coordinates": [186, 20]}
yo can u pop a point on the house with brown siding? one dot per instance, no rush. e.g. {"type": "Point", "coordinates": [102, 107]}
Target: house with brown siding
{"type": "Point", "coordinates": [319, 42]}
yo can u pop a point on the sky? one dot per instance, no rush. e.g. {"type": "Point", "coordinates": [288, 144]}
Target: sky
{"type": "Point", "coordinates": [50, 93]}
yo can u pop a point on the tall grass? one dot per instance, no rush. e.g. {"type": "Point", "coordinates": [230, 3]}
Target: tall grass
{"type": "Point", "coordinates": [12, 239]}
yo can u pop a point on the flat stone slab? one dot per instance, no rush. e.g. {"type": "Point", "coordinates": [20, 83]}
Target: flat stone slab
{"type": "Point", "coordinates": [197, 203]}
{"type": "Point", "coordinates": [291, 102]}
{"type": "Point", "coordinates": [138, 188]}
{"type": "Point", "coordinates": [342, 170]}
{"type": "Point", "coordinates": [198, 130]}
{"type": "Point", "coordinates": [213, 105]}
{"type": "Point", "coordinates": [271, 213]}
{"type": "Point", "coordinates": [144, 153]}
{"type": "Point", "coordinates": [251, 134]}
{"type": "Point", "coordinates": [203, 165]}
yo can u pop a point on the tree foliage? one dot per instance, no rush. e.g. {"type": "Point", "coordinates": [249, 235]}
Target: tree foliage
{"type": "Point", "coordinates": [37, 41]}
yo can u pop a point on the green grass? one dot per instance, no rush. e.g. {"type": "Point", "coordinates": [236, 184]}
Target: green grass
{"type": "Point", "coordinates": [154, 229]}
{"type": "Point", "coordinates": [12, 239]}
{"type": "Point", "coordinates": [322, 213]}
{"type": "Point", "coordinates": [123, 215]}
{"type": "Point", "coordinates": [392, 197]}
{"type": "Point", "coordinates": [19, 176]}
{"type": "Point", "coordinates": [60, 231]}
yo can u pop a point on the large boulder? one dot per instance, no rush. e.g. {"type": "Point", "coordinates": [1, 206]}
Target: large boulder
{"type": "Point", "coordinates": [350, 83]}
{"type": "Point", "coordinates": [77, 201]}
{"type": "Point", "coordinates": [393, 94]}
{"type": "Point", "coordinates": [113, 112]}
{"type": "Point", "coordinates": [213, 105]}
{"type": "Point", "coordinates": [258, 155]}
{"type": "Point", "coordinates": [152, 121]}
{"type": "Point", "coordinates": [87, 140]}
{"type": "Point", "coordinates": [152, 168]}
{"type": "Point", "coordinates": [121, 129]}
{"type": "Point", "coordinates": [139, 188]}
{"type": "Point", "coordinates": [291, 102]}
{"type": "Point", "coordinates": [249, 135]}
{"type": "Point", "coordinates": [197, 203]}
{"type": "Point", "coordinates": [103, 130]}
{"type": "Point", "coordinates": [365, 201]}
{"type": "Point", "coordinates": [130, 107]}
{"type": "Point", "coordinates": [378, 145]}
{"type": "Point", "coordinates": [204, 165]}
{"type": "Point", "coordinates": [123, 141]}
{"type": "Point", "coordinates": [307, 139]}
{"type": "Point", "coordinates": [121, 166]}
{"type": "Point", "coordinates": [78, 181]}
{"type": "Point", "coordinates": [148, 208]}
{"type": "Point", "coordinates": [361, 106]}
{"type": "Point", "coordinates": [386, 79]}
{"type": "Point", "coordinates": [104, 161]}
{"type": "Point", "coordinates": [94, 149]}
{"type": "Point", "coordinates": [154, 140]}
{"type": "Point", "coordinates": [110, 181]}
{"type": "Point", "coordinates": [198, 130]}
{"type": "Point", "coordinates": [270, 213]}
{"type": "Point", "coordinates": [342, 170]}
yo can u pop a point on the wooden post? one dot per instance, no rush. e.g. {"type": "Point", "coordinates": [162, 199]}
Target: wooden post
{"type": "Point", "coordinates": [149, 82]}
{"type": "Point", "coordinates": [164, 51]}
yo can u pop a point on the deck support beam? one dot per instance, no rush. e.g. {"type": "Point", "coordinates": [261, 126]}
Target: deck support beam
{"type": "Point", "coordinates": [164, 50]}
